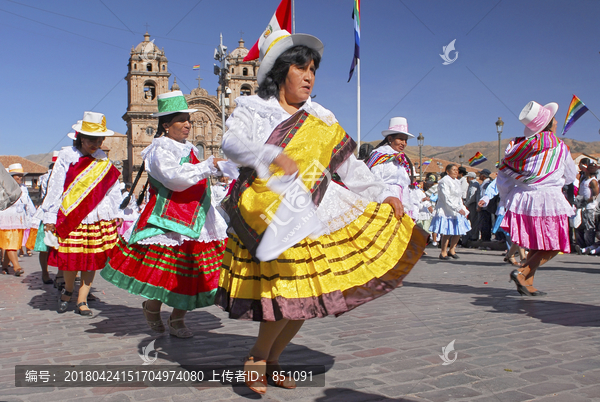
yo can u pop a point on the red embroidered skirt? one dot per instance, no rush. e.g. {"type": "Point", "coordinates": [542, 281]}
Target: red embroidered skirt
{"type": "Point", "coordinates": [87, 248]}
{"type": "Point", "coordinates": [185, 277]}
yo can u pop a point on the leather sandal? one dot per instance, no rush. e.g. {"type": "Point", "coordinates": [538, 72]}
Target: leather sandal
{"type": "Point", "coordinates": [155, 325]}
{"type": "Point", "coordinates": [254, 375]}
{"type": "Point", "coordinates": [63, 304]}
{"type": "Point", "coordinates": [183, 333]}
{"type": "Point", "coordinates": [87, 312]}
{"type": "Point", "coordinates": [512, 261]}
{"type": "Point", "coordinates": [281, 380]}
{"type": "Point", "coordinates": [19, 272]}
{"type": "Point", "coordinates": [4, 270]}
{"type": "Point", "coordinates": [59, 282]}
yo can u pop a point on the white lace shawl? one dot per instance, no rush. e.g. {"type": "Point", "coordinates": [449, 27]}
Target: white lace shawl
{"type": "Point", "coordinates": [107, 209]}
{"type": "Point", "coordinates": [249, 127]}
{"type": "Point", "coordinates": [162, 163]}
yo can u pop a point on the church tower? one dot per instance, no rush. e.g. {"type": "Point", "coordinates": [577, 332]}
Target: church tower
{"type": "Point", "coordinates": [241, 77]}
{"type": "Point", "coordinates": [147, 77]}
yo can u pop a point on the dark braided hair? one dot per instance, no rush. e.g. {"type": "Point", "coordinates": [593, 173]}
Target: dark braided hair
{"type": "Point", "coordinates": [299, 56]}
{"type": "Point", "coordinates": [159, 132]}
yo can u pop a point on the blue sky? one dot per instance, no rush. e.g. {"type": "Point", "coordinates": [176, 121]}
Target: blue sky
{"type": "Point", "coordinates": [55, 65]}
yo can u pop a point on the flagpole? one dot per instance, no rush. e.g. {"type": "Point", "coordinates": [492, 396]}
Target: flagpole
{"type": "Point", "coordinates": [589, 110]}
{"type": "Point", "coordinates": [358, 101]}
{"type": "Point", "coordinates": [293, 17]}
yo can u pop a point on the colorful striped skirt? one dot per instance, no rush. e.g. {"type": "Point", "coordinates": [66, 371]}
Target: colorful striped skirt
{"type": "Point", "coordinates": [11, 239]}
{"type": "Point", "coordinates": [88, 247]}
{"type": "Point", "coordinates": [327, 276]}
{"type": "Point", "coordinates": [184, 277]}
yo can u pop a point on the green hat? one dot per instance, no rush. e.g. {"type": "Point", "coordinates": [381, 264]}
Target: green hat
{"type": "Point", "coordinates": [172, 102]}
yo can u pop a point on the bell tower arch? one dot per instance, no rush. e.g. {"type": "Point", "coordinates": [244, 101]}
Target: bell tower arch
{"type": "Point", "coordinates": [147, 77]}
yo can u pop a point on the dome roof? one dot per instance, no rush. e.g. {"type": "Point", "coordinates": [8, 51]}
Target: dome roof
{"type": "Point", "coordinates": [147, 46]}
{"type": "Point", "coordinates": [240, 51]}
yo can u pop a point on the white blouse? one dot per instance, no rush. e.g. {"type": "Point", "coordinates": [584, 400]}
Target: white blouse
{"type": "Point", "coordinates": [397, 181]}
{"type": "Point", "coordinates": [18, 215]}
{"type": "Point", "coordinates": [449, 201]}
{"type": "Point", "coordinates": [538, 199]}
{"type": "Point", "coordinates": [249, 127]}
{"type": "Point", "coordinates": [162, 163]}
{"type": "Point", "coordinates": [107, 209]}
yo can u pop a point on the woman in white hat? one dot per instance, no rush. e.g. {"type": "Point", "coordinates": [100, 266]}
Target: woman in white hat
{"type": "Point", "coordinates": [355, 243]}
{"type": "Point", "coordinates": [36, 236]}
{"type": "Point", "coordinates": [450, 214]}
{"type": "Point", "coordinates": [534, 170]}
{"type": "Point", "coordinates": [173, 253]}
{"type": "Point", "coordinates": [389, 162]}
{"type": "Point", "coordinates": [13, 222]}
{"type": "Point", "coordinates": [82, 208]}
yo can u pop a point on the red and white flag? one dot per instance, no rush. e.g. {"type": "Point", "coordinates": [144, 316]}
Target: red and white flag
{"type": "Point", "coordinates": [282, 19]}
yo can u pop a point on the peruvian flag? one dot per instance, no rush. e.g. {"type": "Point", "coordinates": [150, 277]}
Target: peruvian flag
{"type": "Point", "coordinates": [282, 19]}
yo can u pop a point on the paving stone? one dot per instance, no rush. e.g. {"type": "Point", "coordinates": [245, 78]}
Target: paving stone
{"type": "Point", "coordinates": [547, 388]}
{"type": "Point", "coordinates": [451, 380]}
{"type": "Point", "coordinates": [387, 349]}
{"type": "Point", "coordinates": [591, 392]}
{"type": "Point", "coordinates": [449, 394]}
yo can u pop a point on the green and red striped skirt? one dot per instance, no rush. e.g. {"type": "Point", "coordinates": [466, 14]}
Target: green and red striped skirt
{"type": "Point", "coordinates": [185, 277]}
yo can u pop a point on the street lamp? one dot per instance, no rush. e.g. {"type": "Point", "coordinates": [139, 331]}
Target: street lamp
{"type": "Point", "coordinates": [420, 139]}
{"type": "Point", "coordinates": [461, 157]}
{"type": "Point", "coordinates": [221, 55]}
{"type": "Point", "coordinates": [499, 127]}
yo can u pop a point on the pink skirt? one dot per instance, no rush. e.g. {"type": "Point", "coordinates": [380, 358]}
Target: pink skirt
{"type": "Point", "coordinates": [538, 232]}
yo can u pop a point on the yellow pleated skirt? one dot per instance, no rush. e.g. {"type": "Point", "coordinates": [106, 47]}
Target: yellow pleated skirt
{"type": "Point", "coordinates": [327, 276]}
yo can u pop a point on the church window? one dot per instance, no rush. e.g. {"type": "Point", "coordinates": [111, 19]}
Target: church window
{"type": "Point", "coordinates": [149, 67]}
{"type": "Point", "coordinates": [163, 67]}
{"type": "Point", "coordinates": [134, 66]}
{"type": "Point", "coordinates": [200, 151]}
{"type": "Point", "coordinates": [149, 131]}
{"type": "Point", "coordinates": [149, 90]}
{"type": "Point", "coordinates": [232, 70]}
{"type": "Point", "coordinates": [246, 90]}
{"type": "Point", "coordinates": [245, 71]}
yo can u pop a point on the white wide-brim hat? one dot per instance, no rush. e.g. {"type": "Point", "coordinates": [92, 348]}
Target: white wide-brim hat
{"type": "Point", "coordinates": [172, 102]}
{"type": "Point", "coordinates": [93, 124]}
{"type": "Point", "coordinates": [398, 125]}
{"type": "Point", "coordinates": [73, 136]}
{"type": "Point", "coordinates": [536, 117]}
{"type": "Point", "coordinates": [16, 169]}
{"type": "Point", "coordinates": [277, 43]}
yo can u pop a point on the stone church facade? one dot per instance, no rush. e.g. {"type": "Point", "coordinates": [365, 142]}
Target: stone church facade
{"type": "Point", "coordinates": [148, 76]}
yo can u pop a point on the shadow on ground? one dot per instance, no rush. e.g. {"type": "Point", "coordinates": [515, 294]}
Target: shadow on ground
{"type": "Point", "coordinates": [547, 311]}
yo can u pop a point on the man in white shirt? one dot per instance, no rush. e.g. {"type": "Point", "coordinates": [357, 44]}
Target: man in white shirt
{"type": "Point", "coordinates": [485, 216]}
{"type": "Point", "coordinates": [462, 176]}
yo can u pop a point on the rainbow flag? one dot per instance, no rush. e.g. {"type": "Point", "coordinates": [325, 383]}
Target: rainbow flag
{"type": "Point", "coordinates": [477, 159]}
{"type": "Point", "coordinates": [196, 67]}
{"type": "Point", "coordinates": [356, 18]}
{"type": "Point", "coordinates": [575, 111]}
{"type": "Point", "coordinates": [427, 162]}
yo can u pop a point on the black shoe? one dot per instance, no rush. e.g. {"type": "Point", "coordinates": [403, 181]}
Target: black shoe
{"type": "Point", "coordinates": [444, 258]}
{"type": "Point", "coordinates": [87, 312]}
{"type": "Point", "coordinates": [538, 293]}
{"type": "Point", "coordinates": [62, 304]}
{"type": "Point", "coordinates": [59, 283]}
{"type": "Point", "coordinates": [578, 250]}
{"type": "Point", "coordinates": [454, 256]}
{"type": "Point", "coordinates": [520, 288]}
